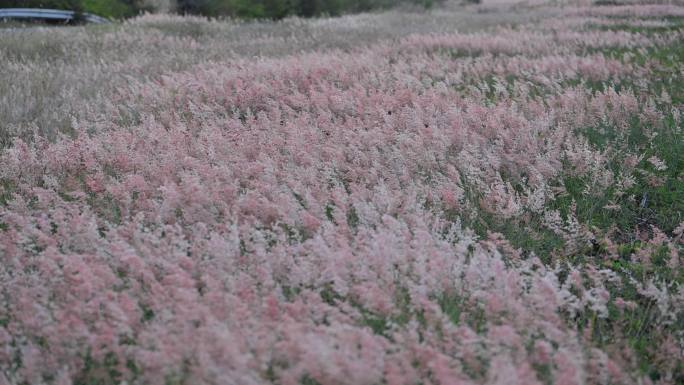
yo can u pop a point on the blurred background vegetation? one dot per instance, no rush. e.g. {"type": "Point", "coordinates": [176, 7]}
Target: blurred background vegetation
{"type": "Point", "coordinates": [250, 9]}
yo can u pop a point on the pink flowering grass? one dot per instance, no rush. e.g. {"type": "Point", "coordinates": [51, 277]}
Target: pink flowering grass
{"type": "Point", "coordinates": [500, 207]}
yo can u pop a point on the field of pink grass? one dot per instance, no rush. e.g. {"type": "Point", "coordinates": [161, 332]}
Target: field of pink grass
{"type": "Point", "coordinates": [495, 207]}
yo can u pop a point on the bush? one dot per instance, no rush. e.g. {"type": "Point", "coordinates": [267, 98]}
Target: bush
{"type": "Point", "coordinates": [278, 9]}
{"type": "Point", "coordinates": [115, 9]}
{"type": "Point", "coordinates": [75, 5]}
{"type": "Point", "coordinates": [250, 9]}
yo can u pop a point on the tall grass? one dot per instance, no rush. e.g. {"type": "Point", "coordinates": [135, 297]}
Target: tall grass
{"type": "Point", "coordinates": [427, 206]}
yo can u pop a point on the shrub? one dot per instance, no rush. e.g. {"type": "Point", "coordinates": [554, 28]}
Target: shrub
{"type": "Point", "coordinates": [278, 9]}
{"type": "Point", "coordinates": [249, 9]}
{"type": "Point", "coordinates": [116, 9]}
{"type": "Point", "coordinates": [76, 5]}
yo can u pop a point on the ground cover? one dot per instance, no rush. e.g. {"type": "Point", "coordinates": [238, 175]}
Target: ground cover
{"type": "Point", "coordinates": [495, 206]}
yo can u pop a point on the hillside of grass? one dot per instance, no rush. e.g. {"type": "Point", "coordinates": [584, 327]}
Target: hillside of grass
{"type": "Point", "coordinates": [483, 195]}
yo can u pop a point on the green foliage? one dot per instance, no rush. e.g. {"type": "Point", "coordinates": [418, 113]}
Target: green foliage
{"type": "Point", "coordinates": [115, 9]}
{"type": "Point", "coordinates": [278, 9]}
{"type": "Point", "coordinates": [75, 5]}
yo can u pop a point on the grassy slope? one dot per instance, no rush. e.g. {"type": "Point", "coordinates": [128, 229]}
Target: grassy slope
{"type": "Point", "coordinates": [642, 206]}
